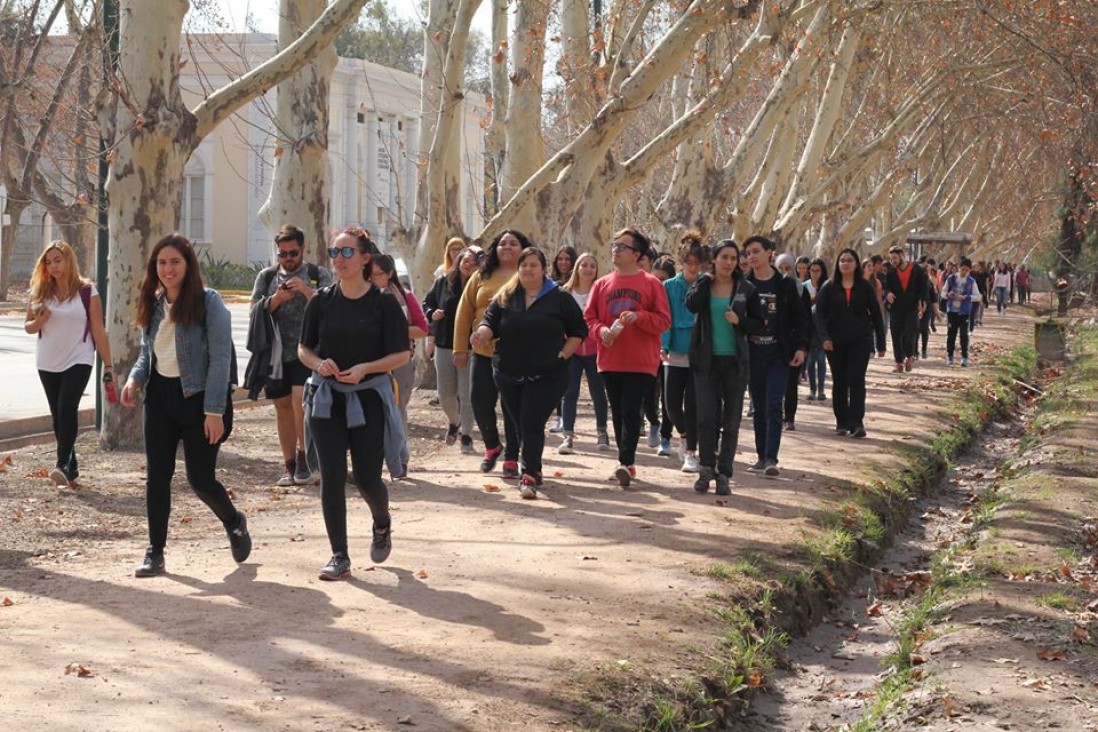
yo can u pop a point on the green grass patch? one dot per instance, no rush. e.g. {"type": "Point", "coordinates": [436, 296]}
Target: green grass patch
{"type": "Point", "coordinates": [1059, 601]}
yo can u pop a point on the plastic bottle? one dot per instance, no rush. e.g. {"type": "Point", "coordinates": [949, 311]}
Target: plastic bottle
{"type": "Point", "coordinates": [109, 388]}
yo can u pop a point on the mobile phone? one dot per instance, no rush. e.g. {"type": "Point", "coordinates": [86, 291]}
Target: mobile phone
{"type": "Point", "coordinates": [285, 285]}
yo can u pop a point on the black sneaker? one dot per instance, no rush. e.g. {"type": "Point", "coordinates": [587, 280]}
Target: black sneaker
{"type": "Point", "coordinates": [302, 474]}
{"type": "Point", "coordinates": [701, 484]}
{"type": "Point", "coordinates": [153, 565]}
{"type": "Point", "coordinates": [858, 432]}
{"type": "Point", "coordinates": [239, 539]}
{"type": "Point", "coordinates": [758, 466]}
{"type": "Point", "coordinates": [723, 485]}
{"type": "Point", "coordinates": [451, 434]}
{"type": "Point", "coordinates": [337, 568]}
{"type": "Point", "coordinates": [467, 445]}
{"type": "Point", "coordinates": [771, 469]}
{"type": "Point", "coordinates": [382, 545]}
{"type": "Point", "coordinates": [488, 464]}
{"type": "Point", "coordinates": [842, 431]}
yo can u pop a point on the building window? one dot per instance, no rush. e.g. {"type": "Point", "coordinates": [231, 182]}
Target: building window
{"type": "Point", "coordinates": [192, 219]}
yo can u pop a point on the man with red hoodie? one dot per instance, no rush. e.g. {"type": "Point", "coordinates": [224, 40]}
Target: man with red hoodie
{"type": "Point", "coordinates": [627, 311]}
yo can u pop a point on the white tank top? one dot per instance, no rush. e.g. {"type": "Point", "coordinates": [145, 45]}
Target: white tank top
{"type": "Point", "coordinates": [62, 344]}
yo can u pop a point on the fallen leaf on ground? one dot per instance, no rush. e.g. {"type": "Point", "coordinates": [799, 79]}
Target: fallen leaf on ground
{"type": "Point", "coordinates": [754, 677]}
{"type": "Point", "coordinates": [40, 473]}
{"type": "Point", "coordinates": [950, 711]}
{"type": "Point", "coordinates": [1051, 654]}
{"type": "Point", "coordinates": [1004, 660]}
{"type": "Point", "coordinates": [558, 473]}
{"type": "Point", "coordinates": [186, 519]}
{"type": "Point", "coordinates": [406, 720]}
{"type": "Point", "coordinates": [873, 610]}
{"type": "Point", "coordinates": [491, 488]}
{"type": "Point", "coordinates": [586, 558]}
{"type": "Point", "coordinates": [5, 463]}
{"type": "Point", "coordinates": [7, 602]}
{"type": "Point", "coordinates": [1080, 635]}
{"type": "Point", "coordinates": [297, 537]}
{"type": "Point", "coordinates": [1036, 683]}
{"type": "Point", "coordinates": [422, 574]}
{"type": "Point", "coordinates": [79, 669]}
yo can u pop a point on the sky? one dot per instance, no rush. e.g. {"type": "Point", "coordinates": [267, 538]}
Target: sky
{"type": "Point", "coordinates": [265, 14]}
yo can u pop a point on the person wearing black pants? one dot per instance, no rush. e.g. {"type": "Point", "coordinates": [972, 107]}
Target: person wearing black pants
{"type": "Point", "coordinates": [537, 327]}
{"type": "Point", "coordinates": [848, 319]}
{"type": "Point", "coordinates": [187, 365]}
{"type": "Point", "coordinates": [482, 384]}
{"type": "Point", "coordinates": [65, 311]}
{"type": "Point", "coordinates": [353, 336]}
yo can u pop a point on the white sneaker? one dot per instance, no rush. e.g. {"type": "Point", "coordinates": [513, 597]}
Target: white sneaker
{"type": "Point", "coordinates": [565, 447]}
{"type": "Point", "coordinates": [689, 462]}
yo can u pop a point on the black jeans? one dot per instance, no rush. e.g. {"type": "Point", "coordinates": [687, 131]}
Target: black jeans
{"type": "Point", "coordinates": [724, 383]}
{"type": "Point", "coordinates": [789, 403]}
{"type": "Point", "coordinates": [680, 403]}
{"type": "Point", "coordinates": [333, 439]}
{"type": "Point", "coordinates": [63, 392]}
{"type": "Point", "coordinates": [905, 334]}
{"type": "Point", "coordinates": [484, 394]}
{"type": "Point", "coordinates": [171, 418]}
{"type": "Point", "coordinates": [957, 324]}
{"type": "Point", "coordinates": [625, 391]}
{"type": "Point", "coordinates": [655, 409]}
{"type": "Point", "coordinates": [528, 405]}
{"type": "Point", "coordinates": [849, 362]}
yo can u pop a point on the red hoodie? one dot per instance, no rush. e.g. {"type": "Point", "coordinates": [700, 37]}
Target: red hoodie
{"type": "Point", "coordinates": [637, 347]}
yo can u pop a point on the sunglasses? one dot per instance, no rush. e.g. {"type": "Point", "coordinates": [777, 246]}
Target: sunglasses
{"type": "Point", "coordinates": [345, 252]}
{"type": "Point", "coordinates": [282, 254]}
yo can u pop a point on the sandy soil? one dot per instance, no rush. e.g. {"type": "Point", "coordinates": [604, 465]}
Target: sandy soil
{"type": "Point", "coordinates": [489, 615]}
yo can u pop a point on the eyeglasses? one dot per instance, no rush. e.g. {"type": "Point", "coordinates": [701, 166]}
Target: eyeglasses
{"type": "Point", "coordinates": [345, 252]}
{"type": "Point", "coordinates": [619, 246]}
{"type": "Point", "coordinates": [283, 254]}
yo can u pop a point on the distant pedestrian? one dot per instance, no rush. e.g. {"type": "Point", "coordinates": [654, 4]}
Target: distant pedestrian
{"type": "Point", "coordinates": [817, 357]}
{"type": "Point", "coordinates": [65, 311]}
{"type": "Point", "coordinates": [960, 294]}
{"type": "Point", "coordinates": [906, 295]}
{"type": "Point", "coordinates": [564, 261]}
{"type": "Point", "coordinates": [187, 366]}
{"type": "Point", "coordinates": [1002, 287]}
{"type": "Point", "coordinates": [584, 363]}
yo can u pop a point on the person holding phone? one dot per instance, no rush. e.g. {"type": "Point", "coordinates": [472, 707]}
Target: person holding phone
{"type": "Point", "coordinates": [67, 315]}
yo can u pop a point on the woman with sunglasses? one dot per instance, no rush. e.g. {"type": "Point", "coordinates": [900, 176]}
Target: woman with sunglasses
{"type": "Point", "coordinates": [499, 264]}
{"type": "Point", "coordinates": [440, 308]}
{"type": "Point", "coordinates": [537, 327]}
{"type": "Point", "coordinates": [353, 336]}
{"type": "Point", "coordinates": [187, 366]}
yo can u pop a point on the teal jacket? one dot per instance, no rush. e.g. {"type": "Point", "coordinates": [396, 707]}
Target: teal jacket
{"type": "Point", "coordinates": [676, 339]}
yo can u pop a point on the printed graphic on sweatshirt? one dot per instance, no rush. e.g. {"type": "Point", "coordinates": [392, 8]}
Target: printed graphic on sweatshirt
{"type": "Point", "coordinates": [624, 299]}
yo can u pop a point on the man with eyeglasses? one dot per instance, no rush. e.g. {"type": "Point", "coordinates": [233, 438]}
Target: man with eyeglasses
{"type": "Point", "coordinates": [627, 312]}
{"type": "Point", "coordinates": [278, 307]}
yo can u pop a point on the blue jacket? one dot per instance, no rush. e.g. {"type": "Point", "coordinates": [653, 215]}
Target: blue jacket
{"type": "Point", "coordinates": [676, 339]}
{"type": "Point", "coordinates": [966, 289]}
{"type": "Point", "coordinates": [207, 357]}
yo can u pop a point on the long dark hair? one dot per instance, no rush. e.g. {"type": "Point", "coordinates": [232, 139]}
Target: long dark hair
{"type": "Point", "coordinates": [491, 258]}
{"type": "Point", "coordinates": [817, 262]}
{"type": "Point", "coordinates": [453, 277]}
{"type": "Point", "coordinates": [737, 274]}
{"type": "Point", "coordinates": [385, 263]}
{"type": "Point", "coordinates": [554, 272]}
{"type": "Point", "coordinates": [190, 307]}
{"type": "Point", "coordinates": [837, 275]}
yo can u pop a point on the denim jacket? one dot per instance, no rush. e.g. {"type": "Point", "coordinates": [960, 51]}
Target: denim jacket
{"type": "Point", "coordinates": [207, 357]}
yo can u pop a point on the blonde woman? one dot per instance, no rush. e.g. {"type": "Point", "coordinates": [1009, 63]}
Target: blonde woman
{"type": "Point", "coordinates": [66, 313]}
{"type": "Point", "coordinates": [582, 362]}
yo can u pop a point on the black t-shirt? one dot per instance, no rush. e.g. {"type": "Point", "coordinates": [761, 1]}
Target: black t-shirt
{"type": "Point", "coordinates": [768, 296]}
{"type": "Point", "coordinates": [354, 331]}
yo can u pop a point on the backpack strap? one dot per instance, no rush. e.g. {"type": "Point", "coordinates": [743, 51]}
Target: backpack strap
{"type": "Point", "coordinates": [314, 273]}
{"type": "Point", "coordinates": [85, 297]}
{"type": "Point", "coordinates": [268, 276]}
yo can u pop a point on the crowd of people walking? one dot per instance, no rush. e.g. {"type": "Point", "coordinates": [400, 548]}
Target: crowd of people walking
{"type": "Point", "coordinates": [514, 334]}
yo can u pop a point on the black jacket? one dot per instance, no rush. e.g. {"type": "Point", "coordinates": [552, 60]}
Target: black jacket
{"type": "Point", "coordinates": [261, 329]}
{"type": "Point", "coordinates": [442, 297]}
{"type": "Point", "coordinates": [845, 324]}
{"type": "Point", "coordinates": [792, 326]}
{"type": "Point", "coordinates": [907, 301]}
{"type": "Point", "coordinates": [745, 303]}
{"type": "Point", "coordinates": [529, 340]}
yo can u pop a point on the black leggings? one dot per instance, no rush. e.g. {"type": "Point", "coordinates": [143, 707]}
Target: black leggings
{"type": "Point", "coordinates": [63, 392]}
{"type": "Point", "coordinates": [169, 418]}
{"type": "Point", "coordinates": [849, 363]}
{"type": "Point", "coordinates": [484, 394]}
{"type": "Point", "coordinates": [680, 404]}
{"type": "Point", "coordinates": [333, 439]}
{"type": "Point", "coordinates": [625, 390]}
{"type": "Point", "coordinates": [720, 410]}
{"type": "Point", "coordinates": [529, 405]}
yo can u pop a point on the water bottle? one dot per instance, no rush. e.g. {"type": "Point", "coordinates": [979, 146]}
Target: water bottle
{"type": "Point", "coordinates": [617, 327]}
{"type": "Point", "coordinates": [109, 388]}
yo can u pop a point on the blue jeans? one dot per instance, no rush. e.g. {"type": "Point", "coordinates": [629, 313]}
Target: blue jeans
{"type": "Point", "coordinates": [1001, 299]}
{"type": "Point", "coordinates": [767, 381]}
{"type": "Point", "coordinates": [577, 367]}
{"type": "Point", "coordinates": [817, 369]}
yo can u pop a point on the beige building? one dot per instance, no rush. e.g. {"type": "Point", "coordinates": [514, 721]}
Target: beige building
{"type": "Point", "coordinates": [373, 148]}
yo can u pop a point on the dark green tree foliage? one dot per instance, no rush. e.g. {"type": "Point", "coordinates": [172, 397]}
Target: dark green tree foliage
{"type": "Point", "coordinates": [383, 36]}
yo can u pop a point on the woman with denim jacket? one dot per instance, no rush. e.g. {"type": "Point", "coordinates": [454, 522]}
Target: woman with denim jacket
{"type": "Point", "coordinates": [186, 366]}
{"type": "Point", "coordinates": [727, 308]}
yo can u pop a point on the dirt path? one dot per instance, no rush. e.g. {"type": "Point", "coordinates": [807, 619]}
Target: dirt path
{"type": "Point", "coordinates": [490, 615]}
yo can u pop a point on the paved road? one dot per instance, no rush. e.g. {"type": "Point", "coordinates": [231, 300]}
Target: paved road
{"type": "Point", "coordinates": [21, 392]}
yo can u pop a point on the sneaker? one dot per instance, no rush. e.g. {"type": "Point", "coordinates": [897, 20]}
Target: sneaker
{"type": "Point", "coordinates": [924, 354]}
{"type": "Point", "coordinates": [842, 431]}
{"type": "Point", "coordinates": [153, 564]}
{"type": "Point", "coordinates": [602, 443]}
{"type": "Point", "coordinates": [337, 568]}
{"type": "Point", "coordinates": [803, 378]}
{"type": "Point", "coordinates": [665, 448]}
{"type": "Point", "coordinates": [558, 426]}
{"type": "Point", "coordinates": [239, 539]}
{"type": "Point", "coordinates": [858, 432]}
{"type": "Point", "coordinates": [510, 470]}
{"type": "Point", "coordinates": [624, 475]}
{"type": "Point", "coordinates": [899, 369]}
{"type": "Point", "coordinates": [789, 426]}
{"type": "Point", "coordinates": [57, 475]}
{"type": "Point", "coordinates": [488, 464]}
{"type": "Point", "coordinates": [949, 360]}
{"type": "Point", "coordinates": [451, 434]}
{"type": "Point", "coordinates": [758, 467]}
{"type": "Point", "coordinates": [565, 447]}
{"type": "Point", "coordinates": [382, 544]}
{"type": "Point", "coordinates": [705, 474]}
{"type": "Point", "coordinates": [909, 363]}
{"type": "Point", "coordinates": [467, 445]}
{"type": "Point", "coordinates": [527, 487]}
{"type": "Point", "coordinates": [724, 487]}
{"type": "Point", "coordinates": [654, 436]}
{"type": "Point", "coordinates": [302, 474]}
{"type": "Point", "coordinates": [771, 469]}
{"type": "Point", "coordinates": [964, 361]}
{"type": "Point", "coordinates": [689, 462]}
